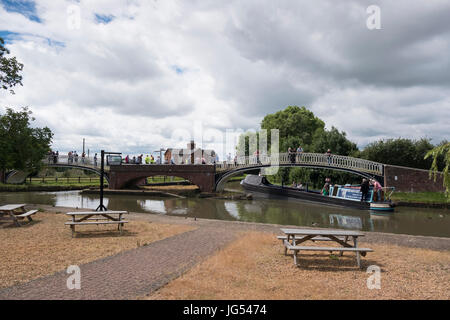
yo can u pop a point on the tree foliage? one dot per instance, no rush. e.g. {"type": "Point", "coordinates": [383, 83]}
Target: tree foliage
{"type": "Point", "coordinates": [297, 127]}
{"type": "Point", "coordinates": [334, 140]}
{"type": "Point", "coordinates": [439, 152]}
{"type": "Point", "coordinates": [400, 152]}
{"type": "Point", "coordinates": [21, 146]}
{"type": "Point", "coordinates": [10, 69]}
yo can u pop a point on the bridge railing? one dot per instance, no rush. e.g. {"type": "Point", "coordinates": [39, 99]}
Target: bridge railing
{"type": "Point", "coordinates": [73, 161]}
{"type": "Point", "coordinates": [318, 159]}
{"type": "Point", "coordinates": [311, 159]}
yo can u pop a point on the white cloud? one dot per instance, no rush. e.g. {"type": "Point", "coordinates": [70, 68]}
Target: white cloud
{"type": "Point", "coordinates": [159, 66]}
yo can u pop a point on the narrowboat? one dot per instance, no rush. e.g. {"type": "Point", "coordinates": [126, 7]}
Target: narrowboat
{"type": "Point", "coordinates": [346, 196]}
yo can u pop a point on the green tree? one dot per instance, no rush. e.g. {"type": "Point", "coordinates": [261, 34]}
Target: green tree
{"type": "Point", "coordinates": [296, 126]}
{"type": "Point", "coordinates": [443, 150]}
{"type": "Point", "coordinates": [334, 140]}
{"type": "Point", "coordinates": [401, 152]}
{"type": "Point", "coordinates": [10, 69]}
{"type": "Point", "coordinates": [21, 146]}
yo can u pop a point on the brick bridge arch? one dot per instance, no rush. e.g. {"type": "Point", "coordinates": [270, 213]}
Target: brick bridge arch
{"type": "Point", "coordinates": [122, 176]}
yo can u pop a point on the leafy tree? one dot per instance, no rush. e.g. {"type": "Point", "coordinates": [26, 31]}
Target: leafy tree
{"type": "Point", "coordinates": [334, 140]}
{"type": "Point", "coordinates": [401, 152]}
{"type": "Point", "coordinates": [10, 69]}
{"type": "Point", "coordinates": [21, 146]}
{"type": "Point", "coordinates": [296, 126]}
{"type": "Point", "coordinates": [443, 150]}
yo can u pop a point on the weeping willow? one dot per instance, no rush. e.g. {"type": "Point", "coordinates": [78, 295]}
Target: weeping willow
{"type": "Point", "coordinates": [444, 151]}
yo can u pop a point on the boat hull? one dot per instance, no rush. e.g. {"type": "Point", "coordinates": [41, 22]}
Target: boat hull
{"type": "Point", "coordinates": [381, 207]}
{"type": "Point", "coordinates": [256, 185]}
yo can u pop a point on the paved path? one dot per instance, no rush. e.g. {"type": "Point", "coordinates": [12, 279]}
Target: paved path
{"type": "Point", "coordinates": [129, 274]}
{"type": "Point", "coordinates": [139, 272]}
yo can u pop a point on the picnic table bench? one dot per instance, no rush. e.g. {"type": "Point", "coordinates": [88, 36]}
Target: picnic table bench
{"type": "Point", "coordinates": [96, 218]}
{"type": "Point", "coordinates": [16, 212]}
{"type": "Point", "coordinates": [294, 237]}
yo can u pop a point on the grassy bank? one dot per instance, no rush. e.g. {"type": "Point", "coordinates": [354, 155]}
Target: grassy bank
{"type": "Point", "coordinates": [55, 186]}
{"type": "Point", "coordinates": [420, 197]}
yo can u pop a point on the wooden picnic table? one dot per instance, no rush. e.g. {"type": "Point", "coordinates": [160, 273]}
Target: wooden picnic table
{"type": "Point", "coordinates": [294, 237]}
{"type": "Point", "coordinates": [16, 212]}
{"type": "Point", "coordinates": [96, 218]}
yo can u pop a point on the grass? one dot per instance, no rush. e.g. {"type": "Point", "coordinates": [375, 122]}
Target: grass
{"type": "Point", "coordinates": [424, 197]}
{"type": "Point", "coordinates": [163, 179]}
{"type": "Point", "coordinates": [45, 246]}
{"type": "Point", "coordinates": [254, 267]}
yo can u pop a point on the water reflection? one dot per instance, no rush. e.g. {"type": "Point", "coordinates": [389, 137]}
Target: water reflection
{"type": "Point", "coordinates": [414, 221]}
{"type": "Point", "coordinates": [347, 222]}
{"type": "Point", "coordinates": [156, 206]}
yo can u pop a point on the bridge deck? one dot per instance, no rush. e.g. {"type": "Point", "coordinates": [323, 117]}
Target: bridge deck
{"type": "Point", "coordinates": [306, 159]}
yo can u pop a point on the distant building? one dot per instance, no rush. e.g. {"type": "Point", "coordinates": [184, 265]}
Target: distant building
{"type": "Point", "coordinates": [190, 155]}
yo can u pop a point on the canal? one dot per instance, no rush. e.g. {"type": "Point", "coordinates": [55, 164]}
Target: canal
{"type": "Point", "coordinates": [405, 220]}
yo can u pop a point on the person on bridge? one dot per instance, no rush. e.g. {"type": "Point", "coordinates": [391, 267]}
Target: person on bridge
{"type": "Point", "coordinates": [299, 152]}
{"type": "Point", "coordinates": [328, 153]}
{"type": "Point", "coordinates": [95, 160]}
{"type": "Point", "coordinates": [147, 160]}
{"type": "Point", "coordinates": [127, 159]}
{"type": "Point", "coordinates": [291, 154]}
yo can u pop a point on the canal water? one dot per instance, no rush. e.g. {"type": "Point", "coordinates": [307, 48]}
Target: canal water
{"type": "Point", "coordinates": [405, 220]}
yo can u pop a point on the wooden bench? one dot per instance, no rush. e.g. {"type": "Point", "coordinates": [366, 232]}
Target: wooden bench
{"type": "Point", "coordinates": [27, 214]}
{"type": "Point", "coordinates": [317, 238]}
{"type": "Point", "coordinates": [296, 249]}
{"type": "Point", "coordinates": [16, 212]}
{"type": "Point", "coordinates": [96, 218]}
{"type": "Point", "coordinates": [294, 238]}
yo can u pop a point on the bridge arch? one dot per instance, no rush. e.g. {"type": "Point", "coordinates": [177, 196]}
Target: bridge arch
{"type": "Point", "coordinates": [222, 178]}
{"type": "Point", "coordinates": [140, 180]}
{"type": "Point", "coordinates": [122, 176]}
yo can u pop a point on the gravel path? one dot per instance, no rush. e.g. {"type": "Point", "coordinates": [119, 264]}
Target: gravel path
{"type": "Point", "coordinates": [129, 274]}
{"type": "Point", "coordinates": [139, 272]}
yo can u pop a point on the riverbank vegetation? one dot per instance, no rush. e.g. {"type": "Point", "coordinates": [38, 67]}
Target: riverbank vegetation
{"type": "Point", "coordinates": [420, 197]}
{"type": "Point", "coordinates": [22, 146]}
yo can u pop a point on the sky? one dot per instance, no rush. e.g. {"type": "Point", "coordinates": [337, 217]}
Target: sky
{"type": "Point", "coordinates": [135, 76]}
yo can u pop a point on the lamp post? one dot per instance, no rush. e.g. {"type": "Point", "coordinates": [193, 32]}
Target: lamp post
{"type": "Point", "coordinates": [101, 207]}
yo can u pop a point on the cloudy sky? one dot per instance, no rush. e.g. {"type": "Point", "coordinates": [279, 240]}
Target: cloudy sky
{"type": "Point", "coordinates": [134, 76]}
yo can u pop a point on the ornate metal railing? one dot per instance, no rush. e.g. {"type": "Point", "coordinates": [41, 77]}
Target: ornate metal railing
{"type": "Point", "coordinates": [311, 159]}
{"type": "Point", "coordinates": [74, 161]}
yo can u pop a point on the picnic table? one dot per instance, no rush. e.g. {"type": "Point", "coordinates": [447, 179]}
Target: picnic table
{"type": "Point", "coordinates": [16, 212]}
{"type": "Point", "coordinates": [294, 237]}
{"type": "Point", "coordinates": [96, 218]}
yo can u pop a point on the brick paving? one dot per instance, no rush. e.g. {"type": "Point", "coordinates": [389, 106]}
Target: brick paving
{"type": "Point", "coordinates": [129, 274]}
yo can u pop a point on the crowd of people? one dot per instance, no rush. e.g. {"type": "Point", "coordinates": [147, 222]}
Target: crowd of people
{"type": "Point", "coordinates": [53, 156]}
{"type": "Point", "coordinates": [73, 157]}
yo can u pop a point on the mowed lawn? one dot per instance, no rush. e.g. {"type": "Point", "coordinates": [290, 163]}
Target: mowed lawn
{"type": "Point", "coordinates": [255, 267]}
